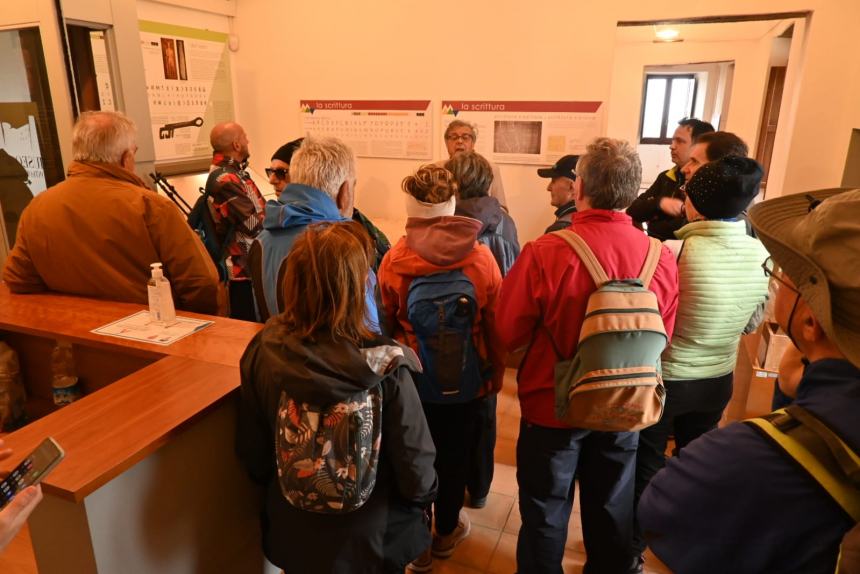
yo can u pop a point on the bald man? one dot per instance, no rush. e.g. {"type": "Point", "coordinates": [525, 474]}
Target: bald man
{"type": "Point", "coordinates": [238, 211]}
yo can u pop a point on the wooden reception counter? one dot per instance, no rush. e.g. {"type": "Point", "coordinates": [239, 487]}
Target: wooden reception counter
{"type": "Point", "coordinates": [150, 481]}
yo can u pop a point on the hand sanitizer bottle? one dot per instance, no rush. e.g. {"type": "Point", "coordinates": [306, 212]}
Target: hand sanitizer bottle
{"type": "Point", "coordinates": [160, 298]}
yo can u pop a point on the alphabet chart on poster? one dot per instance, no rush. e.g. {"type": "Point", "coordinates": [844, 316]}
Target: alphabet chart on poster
{"type": "Point", "coordinates": [189, 87]}
{"type": "Point", "coordinates": [400, 129]}
{"type": "Point", "coordinates": [528, 132]}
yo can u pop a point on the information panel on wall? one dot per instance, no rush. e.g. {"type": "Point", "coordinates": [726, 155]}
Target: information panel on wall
{"type": "Point", "coordinates": [400, 129]}
{"type": "Point", "coordinates": [188, 86]}
{"type": "Point", "coordinates": [527, 132]}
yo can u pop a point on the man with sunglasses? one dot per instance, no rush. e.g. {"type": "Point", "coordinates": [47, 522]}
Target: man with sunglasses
{"type": "Point", "coordinates": [733, 502]}
{"type": "Point", "coordinates": [460, 137]}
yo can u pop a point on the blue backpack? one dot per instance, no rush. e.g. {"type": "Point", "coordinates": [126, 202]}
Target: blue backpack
{"type": "Point", "coordinates": [442, 308]}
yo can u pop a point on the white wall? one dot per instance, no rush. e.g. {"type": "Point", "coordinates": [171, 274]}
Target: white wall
{"type": "Point", "coordinates": [751, 67]}
{"type": "Point", "coordinates": [507, 49]}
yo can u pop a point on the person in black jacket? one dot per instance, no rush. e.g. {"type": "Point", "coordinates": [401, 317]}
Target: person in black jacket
{"type": "Point", "coordinates": [660, 208]}
{"type": "Point", "coordinates": [319, 353]}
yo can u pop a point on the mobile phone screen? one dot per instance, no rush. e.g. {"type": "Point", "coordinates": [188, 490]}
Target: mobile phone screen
{"type": "Point", "coordinates": [31, 470]}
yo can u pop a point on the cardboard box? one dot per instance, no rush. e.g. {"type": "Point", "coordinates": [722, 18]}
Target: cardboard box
{"type": "Point", "coordinates": [771, 346]}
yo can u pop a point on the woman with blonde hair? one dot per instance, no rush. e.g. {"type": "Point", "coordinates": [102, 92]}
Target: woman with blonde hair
{"type": "Point", "coordinates": [439, 288]}
{"type": "Point", "coordinates": [330, 421]}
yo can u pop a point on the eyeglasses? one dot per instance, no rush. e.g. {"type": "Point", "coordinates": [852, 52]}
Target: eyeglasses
{"type": "Point", "coordinates": [459, 137]}
{"type": "Point", "coordinates": [280, 173]}
{"type": "Point", "coordinates": [770, 269]}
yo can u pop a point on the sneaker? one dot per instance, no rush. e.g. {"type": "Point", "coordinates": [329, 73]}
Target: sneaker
{"type": "Point", "coordinates": [423, 563]}
{"type": "Point", "coordinates": [477, 502]}
{"type": "Point", "coordinates": [443, 546]}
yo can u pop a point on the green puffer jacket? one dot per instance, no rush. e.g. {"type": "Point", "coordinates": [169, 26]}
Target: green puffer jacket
{"type": "Point", "coordinates": [720, 285]}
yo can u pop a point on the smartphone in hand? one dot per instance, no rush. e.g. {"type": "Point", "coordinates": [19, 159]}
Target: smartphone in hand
{"type": "Point", "coordinates": [31, 470]}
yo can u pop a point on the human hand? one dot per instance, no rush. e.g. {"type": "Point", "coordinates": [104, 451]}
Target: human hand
{"type": "Point", "coordinates": [13, 517]}
{"type": "Point", "coordinates": [671, 206]}
{"type": "Point", "coordinates": [5, 452]}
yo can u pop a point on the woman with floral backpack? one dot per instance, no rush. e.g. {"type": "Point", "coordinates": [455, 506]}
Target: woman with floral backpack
{"type": "Point", "coordinates": [330, 421]}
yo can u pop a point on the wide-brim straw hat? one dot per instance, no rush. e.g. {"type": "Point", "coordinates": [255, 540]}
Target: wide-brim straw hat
{"type": "Point", "coordinates": [815, 238]}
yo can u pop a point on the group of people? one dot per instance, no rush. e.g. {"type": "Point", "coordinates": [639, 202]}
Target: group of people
{"type": "Point", "coordinates": [368, 400]}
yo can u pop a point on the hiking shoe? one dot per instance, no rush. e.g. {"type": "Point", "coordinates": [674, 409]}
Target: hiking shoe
{"type": "Point", "coordinates": [423, 563]}
{"type": "Point", "coordinates": [477, 502]}
{"type": "Point", "coordinates": [443, 546]}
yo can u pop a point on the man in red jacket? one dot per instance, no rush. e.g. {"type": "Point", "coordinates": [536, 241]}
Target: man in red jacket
{"type": "Point", "coordinates": [542, 305]}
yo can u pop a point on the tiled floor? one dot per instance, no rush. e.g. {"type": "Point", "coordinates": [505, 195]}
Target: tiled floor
{"type": "Point", "coordinates": [492, 545]}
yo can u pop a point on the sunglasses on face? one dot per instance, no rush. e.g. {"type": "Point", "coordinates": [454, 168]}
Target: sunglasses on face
{"type": "Point", "coordinates": [280, 173]}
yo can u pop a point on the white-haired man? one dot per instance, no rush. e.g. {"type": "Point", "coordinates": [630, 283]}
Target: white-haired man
{"type": "Point", "coordinates": [321, 188]}
{"type": "Point", "coordinates": [96, 233]}
{"type": "Point", "coordinates": [460, 137]}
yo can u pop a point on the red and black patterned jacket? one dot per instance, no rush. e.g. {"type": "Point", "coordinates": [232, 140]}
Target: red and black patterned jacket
{"type": "Point", "coordinates": [238, 204]}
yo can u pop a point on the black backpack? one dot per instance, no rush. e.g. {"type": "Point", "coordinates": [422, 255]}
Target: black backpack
{"type": "Point", "coordinates": [202, 221]}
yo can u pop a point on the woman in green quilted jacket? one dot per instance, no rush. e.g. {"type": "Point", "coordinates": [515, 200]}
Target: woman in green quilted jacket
{"type": "Point", "coordinates": [721, 285]}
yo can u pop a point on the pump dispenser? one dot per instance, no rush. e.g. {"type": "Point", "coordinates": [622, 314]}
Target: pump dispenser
{"type": "Point", "coordinates": [160, 298]}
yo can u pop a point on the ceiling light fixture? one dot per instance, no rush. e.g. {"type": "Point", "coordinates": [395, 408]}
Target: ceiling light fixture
{"type": "Point", "coordinates": [667, 34]}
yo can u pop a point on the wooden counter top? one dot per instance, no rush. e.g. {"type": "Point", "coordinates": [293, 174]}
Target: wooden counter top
{"type": "Point", "coordinates": [53, 315]}
{"type": "Point", "coordinates": [107, 432]}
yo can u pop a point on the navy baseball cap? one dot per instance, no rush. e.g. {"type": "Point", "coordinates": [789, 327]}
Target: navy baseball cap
{"type": "Point", "coordinates": [564, 167]}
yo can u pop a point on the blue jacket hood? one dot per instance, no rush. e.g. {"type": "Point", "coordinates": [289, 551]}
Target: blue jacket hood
{"type": "Point", "coordinates": [299, 206]}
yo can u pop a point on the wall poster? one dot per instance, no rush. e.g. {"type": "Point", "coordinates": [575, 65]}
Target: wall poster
{"type": "Point", "coordinates": [400, 129]}
{"type": "Point", "coordinates": [527, 132]}
{"type": "Point", "coordinates": [188, 86]}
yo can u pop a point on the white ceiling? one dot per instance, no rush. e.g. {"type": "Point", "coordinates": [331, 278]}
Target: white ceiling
{"type": "Point", "coordinates": [723, 32]}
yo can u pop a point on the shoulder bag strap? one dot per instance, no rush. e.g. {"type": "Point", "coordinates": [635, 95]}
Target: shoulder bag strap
{"type": "Point", "coordinates": [812, 452]}
{"type": "Point", "coordinates": [578, 244]}
{"type": "Point", "coordinates": [651, 261]}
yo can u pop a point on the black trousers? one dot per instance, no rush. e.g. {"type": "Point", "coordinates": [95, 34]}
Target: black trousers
{"type": "Point", "coordinates": [242, 301]}
{"type": "Point", "coordinates": [455, 432]}
{"type": "Point", "coordinates": [481, 471]}
{"type": "Point", "coordinates": [693, 407]}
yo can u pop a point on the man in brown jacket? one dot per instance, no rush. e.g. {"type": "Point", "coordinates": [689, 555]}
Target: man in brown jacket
{"type": "Point", "coordinates": [96, 233]}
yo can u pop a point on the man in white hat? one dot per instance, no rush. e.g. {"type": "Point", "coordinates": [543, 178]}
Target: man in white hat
{"type": "Point", "coordinates": [734, 501]}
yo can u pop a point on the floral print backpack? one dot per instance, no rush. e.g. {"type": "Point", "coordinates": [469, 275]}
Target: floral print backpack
{"type": "Point", "coordinates": [327, 456]}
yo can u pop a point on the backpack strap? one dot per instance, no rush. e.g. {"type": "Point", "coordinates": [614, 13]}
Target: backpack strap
{"type": "Point", "coordinates": [578, 244]}
{"type": "Point", "coordinates": [818, 450]}
{"type": "Point", "coordinates": [651, 261]}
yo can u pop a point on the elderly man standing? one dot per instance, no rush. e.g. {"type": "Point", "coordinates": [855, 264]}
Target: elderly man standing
{"type": "Point", "coordinates": [238, 210]}
{"type": "Point", "coordinates": [734, 502]}
{"type": "Point", "coordinates": [322, 188]}
{"type": "Point", "coordinates": [561, 177]}
{"type": "Point", "coordinates": [460, 137]}
{"type": "Point", "coordinates": [543, 305]}
{"type": "Point", "coordinates": [96, 233]}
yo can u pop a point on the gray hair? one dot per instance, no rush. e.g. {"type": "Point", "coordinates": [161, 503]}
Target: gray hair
{"type": "Point", "coordinates": [461, 124]}
{"type": "Point", "coordinates": [103, 136]}
{"type": "Point", "coordinates": [324, 164]}
{"type": "Point", "coordinates": [472, 173]}
{"type": "Point", "coordinates": [610, 172]}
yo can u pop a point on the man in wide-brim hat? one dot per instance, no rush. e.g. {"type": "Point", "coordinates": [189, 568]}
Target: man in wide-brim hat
{"type": "Point", "coordinates": [734, 502]}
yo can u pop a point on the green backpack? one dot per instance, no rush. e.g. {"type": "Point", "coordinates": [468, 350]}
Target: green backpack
{"type": "Point", "coordinates": [828, 461]}
{"type": "Point", "coordinates": [613, 381]}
